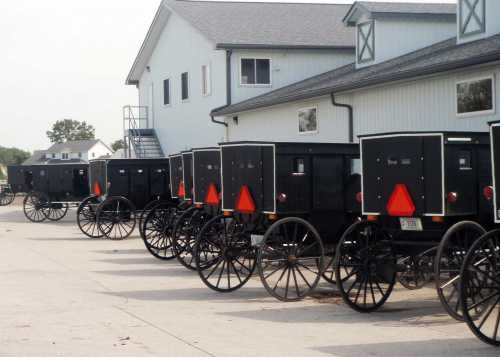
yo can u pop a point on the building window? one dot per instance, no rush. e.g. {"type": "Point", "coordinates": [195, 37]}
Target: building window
{"type": "Point", "coordinates": [80, 155]}
{"type": "Point", "coordinates": [472, 17]}
{"type": "Point", "coordinates": [476, 96]}
{"type": "Point", "coordinates": [65, 156]}
{"type": "Point", "coordinates": [255, 71]}
{"type": "Point", "coordinates": [308, 121]}
{"type": "Point", "coordinates": [184, 86]}
{"type": "Point", "coordinates": [53, 156]}
{"type": "Point", "coordinates": [366, 41]}
{"type": "Point", "coordinates": [206, 85]}
{"type": "Point", "coordinates": [166, 92]}
{"type": "Point", "coordinates": [93, 154]}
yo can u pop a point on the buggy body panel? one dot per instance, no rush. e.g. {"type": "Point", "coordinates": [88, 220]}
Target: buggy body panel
{"type": "Point", "coordinates": [187, 174]}
{"type": "Point", "coordinates": [430, 166]}
{"type": "Point", "coordinates": [206, 172]}
{"type": "Point", "coordinates": [176, 173]}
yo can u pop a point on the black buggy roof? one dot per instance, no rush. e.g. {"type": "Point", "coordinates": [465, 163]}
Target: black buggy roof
{"type": "Point", "coordinates": [287, 147]}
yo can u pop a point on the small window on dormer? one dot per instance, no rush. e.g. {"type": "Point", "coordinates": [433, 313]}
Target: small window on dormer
{"type": "Point", "coordinates": [366, 41]}
{"type": "Point", "coordinates": [65, 156]}
{"type": "Point", "coordinates": [472, 17]}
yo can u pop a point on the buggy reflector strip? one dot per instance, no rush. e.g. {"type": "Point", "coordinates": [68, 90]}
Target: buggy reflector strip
{"type": "Point", "coordinates": [460, 139]}
{"type": "Point", "coordinates": [244, 202]}
{"type": "Point", "coordinates": [181, 192]}
{"type": "Point", "coordinates": [212, 197]}
{"type": "Point", "coordinates": [400, 203]}
{"type": "Point", "coordinates": [96, 189]}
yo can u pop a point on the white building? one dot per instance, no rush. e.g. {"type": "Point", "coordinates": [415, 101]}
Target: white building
{"type": "Point", "coordinates": [79, 151]}
{"type": "Point", "coordinates": [198, 56]}
{"type": "Point", "coordinates": [416, 68]}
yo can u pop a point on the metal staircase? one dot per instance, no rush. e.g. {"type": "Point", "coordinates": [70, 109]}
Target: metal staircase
{"type": "Point", "coordinates": [141, 141]}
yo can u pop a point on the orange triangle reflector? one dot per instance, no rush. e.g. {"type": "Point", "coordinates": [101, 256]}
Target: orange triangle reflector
{"type": "Point", "coordinates": [212, 197]}
{"type": "Point", "coordinates": [245, 202]}
{"type": "Point", "coordinates": [400, 203]}
{"type": "Point", "coordinates": [181, 192]}
{"type": "Point", "coordinates": [96, 189]}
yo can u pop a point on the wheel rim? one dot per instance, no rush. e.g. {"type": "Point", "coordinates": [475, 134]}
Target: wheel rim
{"type": "Point", "coordinates": [157, 232]}
{"type": "Point", "coordinates": [6, 197]}
{"type": "Point", "coordinates": [55, 212]}
{"type": "Point", "coordinates": [33, 207]}
{"type": "Point", "coordinates": [116, 219]}
{"type": "Point", "coordinates": [364, 269]}
{"type": "Point", "coordinates": [419, 269]}
{"type": "Point", "coordinates": [224, 257]}
{"type": "Point", "coordinates": [87, 218]}
{"type": "Point", "coordinates": [186, 230]}
{"type": "Point", "coordinates": [480, 288]}
{"type": "Point", "coordinates": [449, 260]}
{"type": "Point", "coordinates": [290, 259]}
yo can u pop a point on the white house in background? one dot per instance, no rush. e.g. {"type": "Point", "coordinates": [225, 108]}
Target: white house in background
{"type": "Point", "coordinates": [199, 55]}
{"type": "Point", "coordinates": [451, 84]}
{"type": "Point", "coordinates": [79, 151]}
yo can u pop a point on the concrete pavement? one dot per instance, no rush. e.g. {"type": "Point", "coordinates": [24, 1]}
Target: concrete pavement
{"type": "Point", "coordinates": [65, 295]}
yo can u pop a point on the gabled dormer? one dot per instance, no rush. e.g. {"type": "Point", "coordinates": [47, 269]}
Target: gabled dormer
{"type": "Point", "coordinates": [389, 30]}
{"type": "Point", "coordinates": [477, 19]}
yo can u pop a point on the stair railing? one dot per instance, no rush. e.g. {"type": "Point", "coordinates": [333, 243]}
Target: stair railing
{"type": "Point", "coordinates": [132, 119]}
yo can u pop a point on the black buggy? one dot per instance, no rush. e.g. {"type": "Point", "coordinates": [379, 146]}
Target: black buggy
{"type": "Point", "coordinates": [159, 223]}
{"type": "Point", "coordinates": [277, 199]}
{"type": "Point", "coordinates": [480, 273]}
{"type": "Point", "coordinates": [205, 188]}
{"type": "Point", "coordinates": [426, 198]}
{"type": "Point", "coordinates": [121, 190]}
{"type": "Point", "coordinates": [50, 189]}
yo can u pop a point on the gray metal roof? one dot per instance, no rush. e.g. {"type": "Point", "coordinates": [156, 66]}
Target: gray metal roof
{"type": "Point", "coordinates": [401, 9]}
{"type": "Point", "coordinates": [72, 146]}
{"type": "Point", "coordinates": [267, 24]}
{"type": "Point", "coordinates": [37, 157]}
{"type": "Point", "coordinates": [441, 57]}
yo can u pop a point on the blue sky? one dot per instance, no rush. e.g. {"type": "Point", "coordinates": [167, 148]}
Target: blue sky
{"type": "Point", "coordinates": [69, 59]}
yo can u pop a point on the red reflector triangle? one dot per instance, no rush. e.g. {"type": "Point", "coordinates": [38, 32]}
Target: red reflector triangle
{"type": "Point", "coordinates": [96, 189]}
{"type": "Point", "coordinates": [181, 192]}
{"type": "Point", "coordinates": [400, 203]}
{"type": "Point", "coordinates": [212, 197]}
{"type": "Point", "coordinates": [245, 202]}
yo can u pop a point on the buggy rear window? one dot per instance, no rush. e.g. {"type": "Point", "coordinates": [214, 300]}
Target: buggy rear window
{"type": "Point", "coordinates": [299, 166]}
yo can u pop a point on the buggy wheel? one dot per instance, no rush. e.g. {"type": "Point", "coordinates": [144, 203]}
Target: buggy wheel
{"type": "Point", "coordinates": [33, 205]}
{"type": "Point", "coordinates": [186, 229]}
{"type": "Point", "coordinates": [480, 288]}
{"type": "Point", "coordinates": [86, 217]}
{"type": "Point", "coordinates": [6, 196]}
{"type": "Point", "coordinates": [224, 256]}
{"type": "Point", "coordinates": [157, 231]}
{"type": "Point", "coordinates": [449, 259]}
{"type": "Point", "coordinates": [55, 211]}
{"type": "Point", "coordinates": [149, 206]}
{"type": "Point", "coordinates": [116, 218]}
{"type": "Point", "coordinates": [290, 259]}
{"type": "Point", "coordinates": [365, 267]}
{"type": "Point", "coordinates": [418, 269]}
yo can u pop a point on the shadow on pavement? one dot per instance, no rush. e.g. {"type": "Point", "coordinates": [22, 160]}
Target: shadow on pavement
{"type": "Point", "coordinates": [429, 348]}
{"type": "Point", "coordinates": [245, 295]}
{"type": "Point", "coordinates": [120, 251]}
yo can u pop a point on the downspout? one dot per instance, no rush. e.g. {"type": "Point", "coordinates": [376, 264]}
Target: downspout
{"type": "Point", "coordinates": [350, 113]}
{"type": "Point", "coordinates": [228, 89]}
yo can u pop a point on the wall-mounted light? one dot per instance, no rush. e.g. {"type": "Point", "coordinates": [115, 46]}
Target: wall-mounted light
{"type": "Point", "coordinates": [235, 120]}
{"type": "Point", "coordinates": [148, 68]}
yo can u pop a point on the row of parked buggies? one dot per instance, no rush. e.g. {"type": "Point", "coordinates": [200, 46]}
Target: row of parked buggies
{"type": "Point", "coordinates": [414, 208]}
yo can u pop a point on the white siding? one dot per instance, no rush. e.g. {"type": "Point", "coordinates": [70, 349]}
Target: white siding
{"type": "Point", "coordinates": [96, 151]}
{"type": "Point", "coordinates": [394, 38]}
{"type": "Point", "coordinates": [183, 125]}
{"type": "Point", "coordinates": [423, 105]}
{"type": "Point", "coordinates": [287, 67]}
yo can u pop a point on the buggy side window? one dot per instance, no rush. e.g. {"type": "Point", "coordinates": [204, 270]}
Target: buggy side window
{"type": "Point", "coordinates": [299, 166]}
{"type": "Point", "coordinates": [465, 160]}
{"type": "Point", "coordinates": [355, 166]}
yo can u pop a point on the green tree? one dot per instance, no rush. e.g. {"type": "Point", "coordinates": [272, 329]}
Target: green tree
{"type": "Point", "coordinates": [118, 144]}
{"type": "Point", "coordinates": [13, 156]}
{"type": "Point", "coordinates": [70, 130]}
